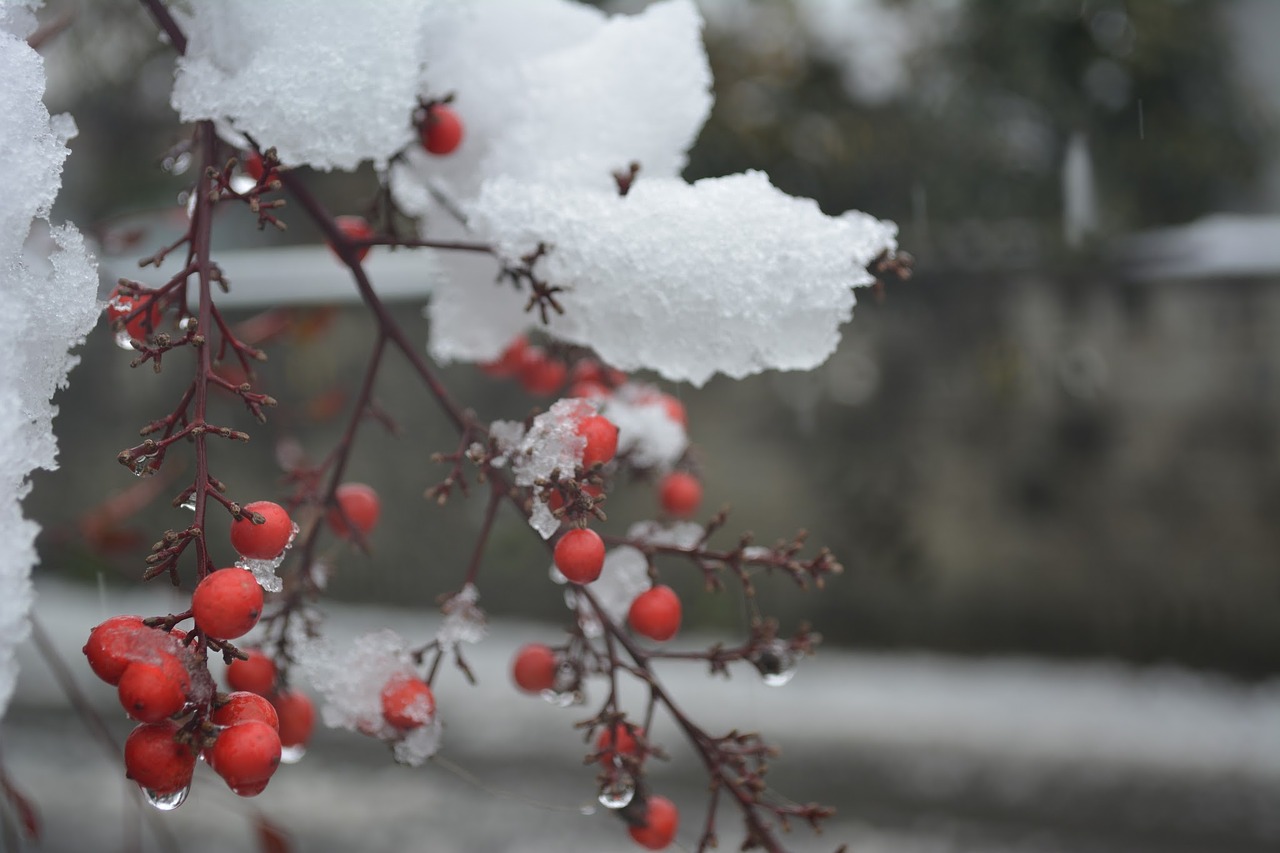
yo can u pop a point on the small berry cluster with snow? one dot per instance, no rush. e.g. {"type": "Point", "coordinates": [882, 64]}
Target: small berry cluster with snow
{"type": "Point", "coordinates": [545, 138]}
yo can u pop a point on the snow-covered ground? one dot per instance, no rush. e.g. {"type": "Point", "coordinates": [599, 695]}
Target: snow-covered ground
{"type": "Point", "coordinates": [918, 753]}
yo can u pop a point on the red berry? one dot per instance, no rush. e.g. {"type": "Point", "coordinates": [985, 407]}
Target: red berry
{"type": "Point", "coordinates": [675, 410]}
{"type": "Point", "coordinates": [534, 669]}
{"type": "Point", "coordinates": [407, 702]}
{"type": "Point", "coordinates": [361, 506]}
{"type": "Point", "coordinates": [556, 500]}
{"type": "Point", "coordinates": [255, 675]}
{"type": "Point", "coordinates": [297, 717]}
{"type": "Point", "coordinates": [253, 165]}
{"type": "Point", "coordinates": [120, 305]}
{"type": "Point", "coordinates": [508, 364]}
{"type": "Point", "coordinates": [263, 541]}
{"type": "Point", "coordinates": [540, 374]}
{"type": "Point", "coordinates": [113, 645]}
{"type": "Point", "coordinates": [441, 129]}
{"type": "Point", "coordinates": [619, 740]}
{"type": "Point", "coordinates": [154, 690]}
{"type": "Point", "coordinates": [655, 613]}
{"type": "Point", "coordinates": [156, 761]}
{"type": "Point", "coordinates": [579, 555]}
{"type": "Point", "coordinates": [680, 494]}
{"type": "Point", "coordinates": [602, 440]}
{"type": "Point", "coordinates": [242, 706]}
{"type": "Point", "coordinates": [355, 228]}
{"type": "Point", "coordinates": [657, 828]}
{"type": "Point", "coordinates": [227, 603]}
{"type": "Point", "coordinates": [246, 755]}
{"type": "Point", "coordinates": [587, 389]}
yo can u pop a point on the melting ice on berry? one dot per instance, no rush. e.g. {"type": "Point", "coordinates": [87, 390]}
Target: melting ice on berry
{"type": "Point", "coordinates": [551, 444]}
{"type": "Point", "coordinates": [647, 434]}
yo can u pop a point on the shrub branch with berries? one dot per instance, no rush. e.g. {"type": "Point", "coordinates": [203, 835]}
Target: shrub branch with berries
{"type": "Point", "coordinates": [547, 137]}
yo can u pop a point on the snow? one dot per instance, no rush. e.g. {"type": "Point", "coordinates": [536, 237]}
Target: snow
{"type": "Point", "coordinates": [464, 621]}
{"type": "Point", "coordinates": [727, 275]}
{"type": "Point", "coordinates": [327, 90]}
{"type": "Point", "coordinates": [50, 284]}
{"type": "Point", "coordinates": [351, 683]}
{"type": "Point", "coordinates": [551, 444]}
{"type": "Point", "coordinates": [624, 576]}
{"type": "Point", "coordinates": [577, 96]}
{"type": "Point", "coordinates": [647, 434]}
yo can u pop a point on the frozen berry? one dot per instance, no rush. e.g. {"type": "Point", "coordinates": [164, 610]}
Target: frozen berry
{"type": "Point", "coordinates": [534, 669]}
{"type": "Point", "coordinates": [407, 702]}
{"type": "Point", "coordinates": [579, 555]}
{"type": "Point", "coordinates": [156, 760]}
{"type": "Point", "coordinates": [257, 674]}
{"type": "Point", "coordinates": [121, 305]}
{"type": "Point", "coordinates": [227, 603]}
{"type": "Point", "coordinates": [657, 829]}
{"type": "Point", "coordinates": [360, 506]}
{"type": "Point", "coordinates": [655, 613]}
{"type": "Point", "coordinates": [264, 541]}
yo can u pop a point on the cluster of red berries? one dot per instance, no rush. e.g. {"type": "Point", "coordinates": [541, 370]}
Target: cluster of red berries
{"type": "Point", "coordinates": [356, 506]}
{"type": "Point", "coordinates": [294, 711]}
{"type": "Point", "coordinates": [543, 374]}
{"type": "Point", "coordinates": [152, 671]}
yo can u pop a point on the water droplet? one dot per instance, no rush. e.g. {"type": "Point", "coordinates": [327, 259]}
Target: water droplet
{"type": "Point", "coordinates": [561, 699]}
{"type": "Point", "coordinates": [776, 662]}
{"type": "Point", "coordinates": [165, 802]}
{"type": "Point", "coordinates": [618, 792]}
{"type": "Point", "coordinates": [186, 323]}
{"type": "Point", "coordinates": [141, 467]}
{"type": "Point", "coordinates": [242, 183]}
{"type": "Point", "coordinates": [189, 503]}
{"type": "Point", "coordinates": [292, 754]}
{"type": "Point", "coordinates": [124, 340]}
{"type": "Point", "coordinates": [177, 164]}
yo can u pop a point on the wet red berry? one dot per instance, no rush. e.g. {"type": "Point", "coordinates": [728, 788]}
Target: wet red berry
{"type": "Point", "coordinates": [246, 755]}
{"type": "Point", "coordinates": [534, 668]}
{"type": "Point", "coordinates": [227, 603]}
{"type": "Point", "coordinates": [441, 129]}
{"type": "Point", "coordinates": [263, 541]}
{"type": "Point", "coordinates": [680, 494]}
{"type": "Point", "coordinates": [655, 613]}
{"type": "Point", "coordinates": [407, 702]}
{"type": "Point", "coordinates": [156, 761]}
{"type": "Point", "coordinates": [154, 690]}
{"type": "Point", "coordinates": [579, 555]}
{"type": "Point", "coordinates": [242, 706]}
{"type": "Point", "coordinates": [602, 440]}
{"type": "Point", "coordinates": [360, 505]}
{"type": "Point", "coordinates": [658, 826]}
{"type": "Point", "coordinates": [257, 674]}
{"type": "Point", "coordinates": [113, 645]}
